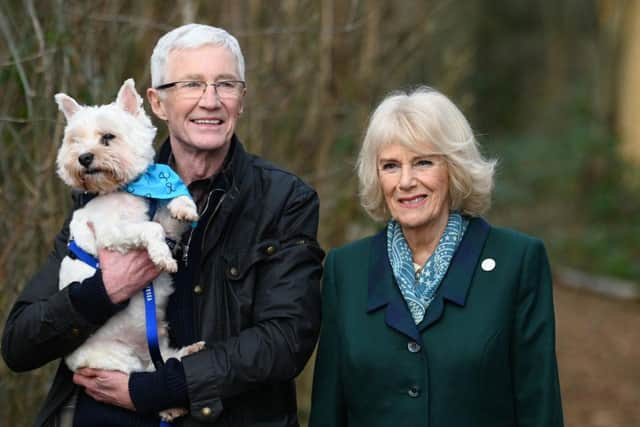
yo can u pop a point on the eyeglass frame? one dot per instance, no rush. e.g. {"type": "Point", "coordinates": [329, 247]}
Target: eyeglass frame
{"type": "Point", "coordinates": [207, 84]}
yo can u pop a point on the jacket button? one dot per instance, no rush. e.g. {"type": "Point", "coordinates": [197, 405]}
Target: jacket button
{"type": "Point", "coordinates": [75, 332]}
{"type": "Point", "coordinates": [413, 347]}
{"type": "Point", "coordinates": [271, 250]}
{"type": "Point", "coordinates": [206, 411]}
{"type": "Point", "coordinates": [197, 289]}
{"type": "Point", "coordinates": [414, 391]}
{"type": "Point", "coordinates": [233, 271]}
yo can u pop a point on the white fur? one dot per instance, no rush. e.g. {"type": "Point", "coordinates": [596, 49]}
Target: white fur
{"type": "Point", "coordinates": [120, 222]}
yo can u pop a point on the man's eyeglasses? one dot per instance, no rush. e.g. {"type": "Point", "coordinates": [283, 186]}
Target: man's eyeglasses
{"type": "Point", "coordinates": [194, 89]}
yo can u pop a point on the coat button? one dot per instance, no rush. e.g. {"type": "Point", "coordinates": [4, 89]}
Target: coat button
{"type": "Point", "coordinates": [488, 264]}
{"type": "Point", "coordinates": [75, 332]}
{"type": "Point", "coordinates": [413, 347]}
{"type": "Point", "coordinates": [197, 289]}
{"type": "Point", "coordinates": [206, 411]}
{"type": "Point", "coordinates": [233, 271]}
{"type": "Point", "coordinates": [271, 250]}
{"type": "Point", "coordinates": [414, 391]}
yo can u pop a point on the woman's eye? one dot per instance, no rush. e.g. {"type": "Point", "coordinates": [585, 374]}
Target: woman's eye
{"type": "Point", "coordinates": [423, 163]}
{"type": "Point", "coordinates": [389, 166]}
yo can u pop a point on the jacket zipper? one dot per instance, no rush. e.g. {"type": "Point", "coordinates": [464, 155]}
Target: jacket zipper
{"type": "Point", "coordinates": [206, 228]}
{"type": "Point", "coordinates": [185, 252]}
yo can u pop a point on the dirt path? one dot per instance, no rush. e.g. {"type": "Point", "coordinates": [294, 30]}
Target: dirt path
{"type": "Point", "coordinates": [599, 358]}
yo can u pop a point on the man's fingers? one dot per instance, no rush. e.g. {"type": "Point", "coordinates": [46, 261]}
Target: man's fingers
{"type": "Point", "coordinates": [81, 380]}
{"type": "Point", "coordinates": [96, 395]}
{"type": "Point", "coordinates": [87, 372]}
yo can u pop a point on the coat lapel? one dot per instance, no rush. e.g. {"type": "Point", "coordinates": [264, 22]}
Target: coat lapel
{"type": "Point", "coordinates": [455, 285]}
{"type": "Point", "coordinates": [383, 291]}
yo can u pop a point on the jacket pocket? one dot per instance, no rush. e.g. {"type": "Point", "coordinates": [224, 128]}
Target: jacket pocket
{"type": "Point", "coordinates": [237, 264]}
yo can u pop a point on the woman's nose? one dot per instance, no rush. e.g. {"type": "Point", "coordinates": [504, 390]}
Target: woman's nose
{"type": "Point", "coordinates": [406, 177]}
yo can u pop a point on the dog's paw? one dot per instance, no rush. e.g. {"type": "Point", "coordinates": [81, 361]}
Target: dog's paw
{"type": "Point", "coordinates": [189, 349]}
{"type": "Point", "coordinates": [160, 255]}
{"type": "Point", "coordinates": [169, 265]}
{"type": "Point", "coordinates": [193, 348]}
{"type": "Point", "coordinates": [183, 209]}
{"type": "Point", "coordinates": [169, 415]}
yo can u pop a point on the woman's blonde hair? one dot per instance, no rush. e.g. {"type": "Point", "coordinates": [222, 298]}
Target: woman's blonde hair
{"type": "Point", "coordinates": [416, 119]}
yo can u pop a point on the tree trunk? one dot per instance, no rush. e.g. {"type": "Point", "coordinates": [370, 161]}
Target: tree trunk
{"type": "Point", "coordinates": [629, 89]}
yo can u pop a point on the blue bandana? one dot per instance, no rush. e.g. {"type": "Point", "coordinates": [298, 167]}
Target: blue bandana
{"type": "Point", "coordinates": [158, 182]}
{"type": "Point", "coordinates": [418, 288]}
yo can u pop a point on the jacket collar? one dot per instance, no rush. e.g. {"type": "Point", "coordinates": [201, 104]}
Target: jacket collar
{"type": "Point", "coordinates": [233, 163]}
{"type": "Point", "coordinates": [384, 292]}
{"type": "Point", "coordinates": [235, 172]}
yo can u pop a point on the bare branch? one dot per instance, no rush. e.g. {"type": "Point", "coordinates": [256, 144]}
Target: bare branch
{"type": "Point", "coordinates": [6, 32]}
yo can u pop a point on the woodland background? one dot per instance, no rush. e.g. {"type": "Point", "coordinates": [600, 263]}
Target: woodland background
{"type": "Point", "coordinates": [551, 87]}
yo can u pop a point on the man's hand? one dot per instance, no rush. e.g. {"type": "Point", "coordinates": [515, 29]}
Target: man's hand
{"type": "Point", "coordinates": [111, 387]}
{"type": "Point", "coordinates": [124, 275]}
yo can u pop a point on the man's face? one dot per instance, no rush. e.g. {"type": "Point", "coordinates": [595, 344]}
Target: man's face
{"type": "Point", "coordinates": [201, 124]}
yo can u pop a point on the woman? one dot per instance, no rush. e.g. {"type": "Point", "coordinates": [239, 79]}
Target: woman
{"type": "Point", "coordinates": [441, 319]}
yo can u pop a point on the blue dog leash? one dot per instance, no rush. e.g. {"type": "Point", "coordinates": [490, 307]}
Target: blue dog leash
{"type": "Point", "coordinates": [83, 255]}
{"type": "Point", "coordinates": [152, 333]}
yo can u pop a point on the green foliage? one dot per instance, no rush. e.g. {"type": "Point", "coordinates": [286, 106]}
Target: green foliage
{"type": "Point", "coordinates": [569, 187]}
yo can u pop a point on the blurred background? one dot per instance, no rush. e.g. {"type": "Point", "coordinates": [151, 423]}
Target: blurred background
{"type": "Point", "coordinates": [551, 87]}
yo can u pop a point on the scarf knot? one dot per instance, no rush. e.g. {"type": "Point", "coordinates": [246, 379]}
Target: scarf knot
{"type": "Point", "coordinates": [419, 287]}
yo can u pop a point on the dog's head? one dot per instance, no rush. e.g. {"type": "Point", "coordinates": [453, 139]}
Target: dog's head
{"type": "Point", "coordinates": [104, 147]}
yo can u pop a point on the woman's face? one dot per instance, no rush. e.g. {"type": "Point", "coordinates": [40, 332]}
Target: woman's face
{"type": "Point", "coordinates": [415, 187]}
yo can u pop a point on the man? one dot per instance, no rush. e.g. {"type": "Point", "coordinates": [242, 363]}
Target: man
{"type": "Point", "coordinates": [248, 278]}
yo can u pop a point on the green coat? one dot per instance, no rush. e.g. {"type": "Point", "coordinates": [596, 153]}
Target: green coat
{"type": "Point", "coordinates": [484, 355]}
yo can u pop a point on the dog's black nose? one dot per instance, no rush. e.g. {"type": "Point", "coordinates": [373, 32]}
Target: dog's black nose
{"type": "Point", "coordinates": [85, 159]}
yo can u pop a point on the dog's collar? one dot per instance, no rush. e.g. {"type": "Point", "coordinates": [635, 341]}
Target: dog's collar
{"type": "Point", "coordinates": [158, 182]}
{"type": "Point", "coordinates": [77, 252]}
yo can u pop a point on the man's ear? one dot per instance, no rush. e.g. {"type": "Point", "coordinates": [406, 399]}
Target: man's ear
{"type": "Point", "coordinates": [156, 103]}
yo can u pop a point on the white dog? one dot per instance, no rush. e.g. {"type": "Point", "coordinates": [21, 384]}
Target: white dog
{"type": "Point", "coordinates": [104, 149]}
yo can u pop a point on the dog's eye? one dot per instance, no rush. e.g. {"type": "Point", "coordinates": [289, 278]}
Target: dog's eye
{"type": "Point", "coordinates": [104, 140]}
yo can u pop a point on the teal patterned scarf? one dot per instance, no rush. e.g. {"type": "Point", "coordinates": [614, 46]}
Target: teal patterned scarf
{"type": "Point", "coordinates": [418, 289]}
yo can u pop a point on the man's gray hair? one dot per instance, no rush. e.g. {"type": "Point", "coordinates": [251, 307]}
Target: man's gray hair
{"type": "Point", "coordinates": [192, 36]}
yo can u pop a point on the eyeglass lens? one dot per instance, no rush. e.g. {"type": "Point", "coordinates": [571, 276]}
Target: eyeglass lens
{"type": "Point", "coordinates": [224, 89]}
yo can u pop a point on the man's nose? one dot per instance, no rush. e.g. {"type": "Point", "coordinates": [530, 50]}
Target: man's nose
{"type": "Point", "coordinates": [209, 97]}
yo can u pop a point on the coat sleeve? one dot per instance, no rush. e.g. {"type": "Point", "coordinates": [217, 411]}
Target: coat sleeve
{"type": "Point", "coordinates": [286, 319]}
{"type": "Point", "coordinates": [535, 371]}
{"type": "Point", "coordinates": [43, 325]}
{"type": "Point", "coordinates": [327, 400]}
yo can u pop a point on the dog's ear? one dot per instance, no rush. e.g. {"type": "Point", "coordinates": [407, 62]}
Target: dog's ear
{"type": "Point", "coordinates": [67, 105]}
{"type": "Point", "coordinates": [128, 99]}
